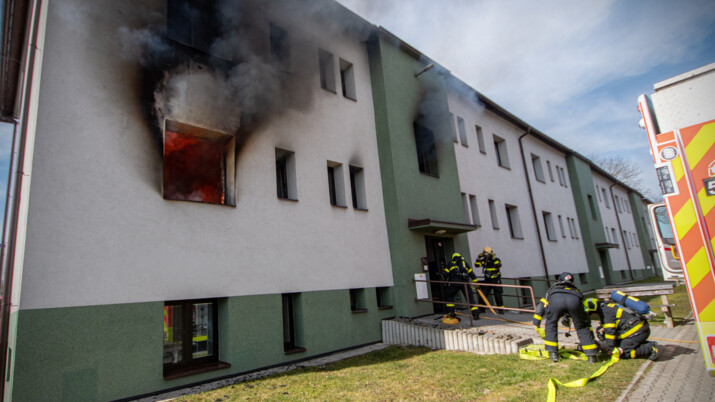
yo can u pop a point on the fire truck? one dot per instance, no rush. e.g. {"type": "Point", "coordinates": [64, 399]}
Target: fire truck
{"type": "Point", "coordinates": [679, 118]}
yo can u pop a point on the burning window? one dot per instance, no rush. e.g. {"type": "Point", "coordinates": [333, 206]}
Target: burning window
{"type": "Point", "coordinates": [198, 164]}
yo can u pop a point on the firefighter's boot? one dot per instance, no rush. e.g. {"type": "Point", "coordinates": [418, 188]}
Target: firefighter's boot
{"type": "Point", "coordinates": [592, 359]}
{"type": "Point", "coordinates": [450, 319]}
{"type": "Point", "coordinates": [554, 356]}
{"type": "Point", "coordinates": [654, 351]}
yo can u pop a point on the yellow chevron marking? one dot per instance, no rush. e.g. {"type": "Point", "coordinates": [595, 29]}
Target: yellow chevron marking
{"type": "Point", "coordinates": [704, 139]}
{"type": "Point", "coordinates": [677, 164]}
{"type": "Point", "coordinates": [706, 203]}
{"type": "Point", "coordinates": [708, 313]}
{"type": "Point", "coordinates": [698, 267]}
{"type": "Point", "coordinates": [684, 219]}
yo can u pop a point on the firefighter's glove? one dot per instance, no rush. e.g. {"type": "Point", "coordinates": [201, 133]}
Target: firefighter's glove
{"type": "Point", "coordinates": [601, 333]}
{"type": "Point", "coordinates": [541, 332]}
{"type": "Point", "coordinates": [651, 315]}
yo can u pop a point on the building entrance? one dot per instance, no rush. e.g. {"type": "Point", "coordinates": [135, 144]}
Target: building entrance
{"type": "Point", "coordinates": [437, 250]}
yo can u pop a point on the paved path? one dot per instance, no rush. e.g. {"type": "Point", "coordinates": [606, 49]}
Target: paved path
{"type": "Point", "coordinates": [679, 373]}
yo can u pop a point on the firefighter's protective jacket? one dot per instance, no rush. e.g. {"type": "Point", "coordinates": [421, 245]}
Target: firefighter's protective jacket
{"type": "Point", "coordinates": [620, 322]}
{"type": "Point", "coordinates": [490, 264]}
{"type": "Point", "coordinates": [459, 270]}
{"type": "Point", "coordinates": [558, 287]}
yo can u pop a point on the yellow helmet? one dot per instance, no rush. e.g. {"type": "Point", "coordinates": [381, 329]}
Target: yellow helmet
{"type": "Point", "coordinates": [591, 305]}
{"type": "Point", "coordinates": [487, 249]}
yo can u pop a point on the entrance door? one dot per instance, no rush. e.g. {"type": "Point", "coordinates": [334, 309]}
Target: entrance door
{"type": "Point", "coordinates": [437, 249]}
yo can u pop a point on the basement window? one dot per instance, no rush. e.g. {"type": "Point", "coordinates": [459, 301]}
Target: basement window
{"type": "Point", "coordinates": [357, 301]}
{"type": "Point", "coordinates": [327, 70]}
{"type": "Point", "coordinates": [191, 337]}
{"type": "Point", "coordinates": [291, 325]}
{"type": "Point", "coordinates": [357, 188]}
{"type": "Point", "coordinates": [383, 298]}
{"type": "Point", "coordinates": [347, 79]}
{"type": "Point", "coordinates": [336, 184]}
{"type": "Point", "coordinates": [199, 164]}
{"type": "Point", "coordinates": [285, 175]}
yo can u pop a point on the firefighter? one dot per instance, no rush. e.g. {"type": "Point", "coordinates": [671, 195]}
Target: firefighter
{"type": "Point", "coordinates": [562, 299]}
{"type": "Point", "coordinates": [458, 271]}
{"type": "Point", "coordinates": [623, 328]}
{"type": "Point", "coordinates": [491, 266]}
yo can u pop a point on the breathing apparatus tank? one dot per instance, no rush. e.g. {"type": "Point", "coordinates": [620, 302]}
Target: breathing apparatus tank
{"type": "Point", "coordinates": [639, 306]}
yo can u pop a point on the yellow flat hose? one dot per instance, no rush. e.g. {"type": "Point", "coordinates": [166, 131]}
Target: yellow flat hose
{"type": "Point", "coordinates": [551, 397]}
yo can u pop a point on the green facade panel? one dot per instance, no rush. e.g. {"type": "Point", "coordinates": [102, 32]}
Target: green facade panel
{"type": "Point", "coordinates": [116, 351]}
{"type": "Point", "coordinates": [399, 97]}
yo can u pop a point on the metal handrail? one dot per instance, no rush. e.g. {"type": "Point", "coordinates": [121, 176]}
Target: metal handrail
{"type": "Point", "coordinates": [478, 284]}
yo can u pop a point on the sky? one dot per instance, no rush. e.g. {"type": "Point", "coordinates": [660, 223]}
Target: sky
{"type": "Point", "coordinates": [571, 69]}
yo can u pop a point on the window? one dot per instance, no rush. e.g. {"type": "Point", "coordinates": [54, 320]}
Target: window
{"type": "Point", "coordinates": [462, 131]}
{"type": "Point", "coordinates": [626, 240]}
{"type": "Point", "coordinates": [480, 140]}
{"type": "Point", "coordinates": [336, 184]}
{"type": "Point", "coordinates": [357, 301]}
{"type": "Point", "coordinates": [279, 46]}
{"type": "Point", "coordinates": [551, 174]}
{"type": "Point", "coordinates": [605, 198]}
{"type": "Point", "coordinates": [357, 188]}
{"type": "Point", "coordinates": [465, 207]}
{"type": "Point", "coordinates": [575, 227]}
{"type": "Point", "coordinates": [452, 129]}
{"type": "Point", "coordinates": [608, 239]}
{"type": "Point", "coordinates": [347, 79]}
{"type": "Point", "coordinates": [426, 150]}
{"type": "Point", "coordinates": [549, 224]}
{"type": "Point", "coordinates": [493, 213]}
{"type": "Point", "coordinates": [384, 301]}
{"type": "Point", "coordinates": [538, 169]}
{"type": "Point", "coordinates": [475, 210]}
{"type": "Point", "coordinates": [617, 203]}
{"type": "Point", "coordinates": [198, 165]}
{"type": "Point", "coordinates": [561, 226]}
{"type": "Point", "coordinates": [635, 241]}
{"type": "Point", "coordinates": [566, 179]}
{"type": "Point", "coordinates": [327, 70]}
{"type": "Point", "coordinates": [623, 274]}
{"type": "Point", "coordinates": [512, 217]}
{"type": "Point", "coordinates": [592, 207]}
{"type": "Point", "coordinates": [292, 337]}
{"type": "Point", "coordinates": [613, 236]}
{"type": "Point", "coordinates": [583, 277]}
{"type": "Point", "coordinates": [570, 225]}
{"type": "Point", "coordinates": [190, 335]}
{"type": "Point", "coordinates": [285, 175]}
{"type": "Point", "coordinates": [194, 24]}
{"type": "Point", "coordinates": [558, 173]}
{"type": "Point", "coordinates": [598, 193]}
{"type": "Point", "coordinates": [501, 152]}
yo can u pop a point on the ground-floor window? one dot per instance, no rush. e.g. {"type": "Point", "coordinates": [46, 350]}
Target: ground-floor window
{"type": "Point", "coordinates": [190, 334]}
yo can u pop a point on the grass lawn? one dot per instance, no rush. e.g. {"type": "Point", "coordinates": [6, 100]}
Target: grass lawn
{"type": "Point", "coordinates": [416, 373]}
{"type": "Point", "coordinates": [679, 298]}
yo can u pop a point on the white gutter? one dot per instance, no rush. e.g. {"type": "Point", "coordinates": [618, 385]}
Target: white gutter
{"type": "Point", "coordinates": [15, 230]}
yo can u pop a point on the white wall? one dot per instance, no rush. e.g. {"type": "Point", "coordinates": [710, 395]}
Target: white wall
{"type": "Point", "coordinates": [566, 253]}
{"type": "Point", "coordinates": [480, 175]}
{"type": "Point", "coordinates": [99, 231]}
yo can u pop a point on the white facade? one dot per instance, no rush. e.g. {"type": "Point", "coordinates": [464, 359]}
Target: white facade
{"type": "Point", "coordinates": [491, 191]}
{"type": "Point", "coordinates": [99, 231]}
{"type": "Point", "coordinates": [555, 208]}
